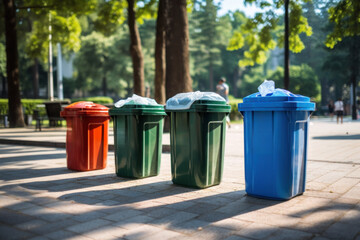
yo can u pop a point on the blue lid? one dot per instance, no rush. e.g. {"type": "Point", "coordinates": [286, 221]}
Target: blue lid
{"type": "Point", "coordinates": [280, 99]}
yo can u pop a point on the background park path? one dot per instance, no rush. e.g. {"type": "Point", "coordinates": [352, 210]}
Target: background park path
{"type": "Point", "coordinates": [41, 199]}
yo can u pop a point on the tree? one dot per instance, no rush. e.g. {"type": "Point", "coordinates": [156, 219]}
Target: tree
{"type": "Point", "coordinates": [258, 33]}
{"type": "Point", "coordinates": [177, 49]}
{"type": "Point", "coordinates": [207, 40]}
{"type": "Point", "coordinates": [93, 59]}
{"type": "Point", "coordinates": [16, 118]}
{"type": "Point", "coordinates": [160, 60]}
{"type": "Point", "coordinates": [346, 19]}
{"type": "Point", "coordinates": [3, 70]}
{"type": "Point", "coordinates": [315, 53]}
{"type": "Point", "coordinates": [111, 14]}
{"type": "Point", "coordinates": [303, 80]}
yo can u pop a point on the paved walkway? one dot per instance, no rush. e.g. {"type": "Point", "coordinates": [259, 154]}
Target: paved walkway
{"type": "Point", "coordinates": [41, 199]}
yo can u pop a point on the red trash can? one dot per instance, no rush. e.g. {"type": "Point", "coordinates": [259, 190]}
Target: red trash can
{"type": "Point", "coordinates": [86, 136]}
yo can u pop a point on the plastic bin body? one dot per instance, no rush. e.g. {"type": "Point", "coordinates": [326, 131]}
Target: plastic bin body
{"type": "Point", "coordinates": [86, 136]}
{"type": "Point", "coordinates": [197, 139]}
{"type": "Point", "coordinates": [275, 135]}
{"type": "Point", "coordinates": [138, 133]}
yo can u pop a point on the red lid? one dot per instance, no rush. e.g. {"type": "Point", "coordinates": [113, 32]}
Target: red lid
{"type": "Point", "coordinates": [85, 108]}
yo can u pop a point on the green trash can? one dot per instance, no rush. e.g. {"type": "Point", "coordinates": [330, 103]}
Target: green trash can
{"type": "Point", "coordinates": [138, 132]}
{"type": "Point", "coordinates": [197, 139]}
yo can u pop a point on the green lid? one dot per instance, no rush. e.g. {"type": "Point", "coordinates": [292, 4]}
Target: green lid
{"type": "Point", "coordinates": [138, 109]}
{"type": "Point", "coordinates": [205, 106]}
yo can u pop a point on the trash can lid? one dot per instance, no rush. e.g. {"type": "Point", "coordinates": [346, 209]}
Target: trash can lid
{"type": "Point", "coordinates": [137, 105]}
{"type": "Point", "coordinates": [138, 109]}
{"type": "Point", "coordinates": [280, 99]}
{"type": "Point", "coordinates": [197, 102]}
{"type": "Point", "coordinates": [85, 108]}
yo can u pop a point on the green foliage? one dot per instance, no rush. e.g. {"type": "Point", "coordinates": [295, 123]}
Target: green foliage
{"type": "Point", "coordinates": [63, 18]}
{"type": "Point", "coordinates": [2, 60]}
{"type": "Point", "coordinates": [99, 58]}
{"type": "Point", "coordinates": [209, 35]}
{"type": "Point", "coordinates": [110, 16]}
{"type": "Point", "coordinates": [234, 114]}
{"type": "Point", "coordinates": [98, 100]}
{"type": "Point", "coordinates": [65, 30]}
{"type": "Point", "coordinates": [346, 19]}
{"type": "Point", "coordinates": [29, 105]}
{"type": "Point", "coordinates": [251, 81]}
{"type": "Point", "coordinates": [303, 80]}
{"type": "Point", "coordinates": [257, 34]}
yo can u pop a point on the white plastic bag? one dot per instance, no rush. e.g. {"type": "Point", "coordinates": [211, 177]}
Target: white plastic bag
{"type": "Point", "coordinates": [136, 100]}
{"type": "Point", "coordinates": [268, 86]}
{"type": "Point", "coordinates": [185, 100]}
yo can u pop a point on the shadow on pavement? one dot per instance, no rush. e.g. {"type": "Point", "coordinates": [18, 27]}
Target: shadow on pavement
{"type": "Point", "coordinates": [339, 137]}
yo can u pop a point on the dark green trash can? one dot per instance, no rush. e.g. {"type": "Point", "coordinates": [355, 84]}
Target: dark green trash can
{"type": "Point", "coordinates": [197, 138]}
{"type": "Point", "coordinates": [138, 140]}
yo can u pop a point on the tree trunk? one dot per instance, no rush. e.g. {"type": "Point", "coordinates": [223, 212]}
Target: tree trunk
{"type": "Point", "coordinates": [104, 85]}
{"type": "Point", "coordinates": [355, 63]}
{"type": "Point", "coordinates": [3, 92]}
{"type": "Point", "coordinates": [177, 49]}
{"type": "Point", "coordinates": [211, 75]}
{"type": "Point", "coordinates": [16, 117]}
{"type": "Point", "coordinates": [36, 78]}
{"type": "Point", "coordinates": [136, 52]}
{"type": "Point", "coordinates": [286, 47]}
{"type": "Point", "coordinates": [324, 91]}
{"type": "Point", "coordinates": [160, 64]}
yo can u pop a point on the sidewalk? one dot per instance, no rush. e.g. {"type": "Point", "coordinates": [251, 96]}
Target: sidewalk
{"type": "Point", "coordinates": [41, 199]}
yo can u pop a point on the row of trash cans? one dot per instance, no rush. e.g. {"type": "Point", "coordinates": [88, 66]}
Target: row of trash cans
{"type": "Point", "coordinates": [275, 134]}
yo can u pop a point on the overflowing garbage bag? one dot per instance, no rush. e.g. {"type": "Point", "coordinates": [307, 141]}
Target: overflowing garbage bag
{"type": "Point", "coordinates": [185, 100]}
{"type": "Point", "coordinates": [136, 100]}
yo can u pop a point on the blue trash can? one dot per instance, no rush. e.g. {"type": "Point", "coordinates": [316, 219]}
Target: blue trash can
{"type": "Point", "coordinates": [275, 135]}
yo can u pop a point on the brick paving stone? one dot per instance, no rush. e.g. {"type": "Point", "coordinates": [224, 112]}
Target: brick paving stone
{"type": "Point", "coordinates": [181, 205]}
{"type": "Point", "coordinates": [320, 238]}
{"type": "Point", "coordinates": [107, 233]}
{"type": "Point", "coordinates": [342, 185]}
{"type": "Point", "coordinates": [11, 217]}
{"type": "Point", "coordinates": [269, 218]}
{"type": "Point", "coordinates": [164, 234]}
{"type": "Point", "coordinates": [122, 215]}
{"type": "Point", "coordinates": [231, 223]}
{"type": "Point", "coordinates": [214, 216]}
{"type": "Point", "coordinates": [88, 226]}
{"type": "Point", "coordinates": [189, 227]}
{"type": "Point", "coordinates": [353, 193]}
{"type": "Point", "coordinates": [235, 237]}
{"type": "Point", "coordinates": [8, 233]}
{"type": "Point", "coordinates": [213, 232]}
{"type": "Point", "coordinates": [285, 234]}
{"type": "Point", "coordinates": [160, 212]}
{"type": "Point", "coordinates": [257, 231]}
{"type": "Point", "coordinates": [343, 230]}
{"type": "Point", "coordinates": [141, 233]}
{"type": "Point", "coordinates": [133, 222]}
{"type": "Point", "coordinates": [175, 218]}
{"type": "Point", "coordinates": [320, 217]}
{"type": "Point", "coordinates": [88, 216]}
{"type": "Point", "coordinates": [21, 205]}
{"type": "Point", "coordinates": [54, 226]}
{"type": "Point", "coordinates": [61, 234]}
{"type": "Point", "coordinates": [201, 208]}
{"type": "Point", "coordinates": [36, 223]}
{"type": "Point", "coordinates": [39, 238]}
